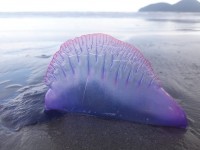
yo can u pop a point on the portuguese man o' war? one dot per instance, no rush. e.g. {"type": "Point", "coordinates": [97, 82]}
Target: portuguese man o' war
{"type": "Point", "coordinates": [99, 75]}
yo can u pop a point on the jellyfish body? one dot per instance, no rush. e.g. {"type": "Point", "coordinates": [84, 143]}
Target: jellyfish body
{"type": "Point", "coordinates": [99, 75]}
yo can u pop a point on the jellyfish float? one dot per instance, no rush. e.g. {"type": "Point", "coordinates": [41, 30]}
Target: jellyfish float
{"type": "Point", "coordinates": [98, 75]}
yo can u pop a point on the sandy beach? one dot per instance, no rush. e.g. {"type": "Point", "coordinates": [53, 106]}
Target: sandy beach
{"type": "Point", "coordinates": [171, 43]}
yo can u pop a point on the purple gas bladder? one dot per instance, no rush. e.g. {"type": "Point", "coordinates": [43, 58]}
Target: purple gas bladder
{"type": "Point", "coordinates": [99, 75]}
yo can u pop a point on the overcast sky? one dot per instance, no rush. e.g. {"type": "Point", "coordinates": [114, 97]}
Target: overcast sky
{"type": "Point", "coordinates": [76, 5]}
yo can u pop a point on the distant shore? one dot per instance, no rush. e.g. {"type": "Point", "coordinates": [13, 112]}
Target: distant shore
{"type": "Point", "coordinates": [181, 6]}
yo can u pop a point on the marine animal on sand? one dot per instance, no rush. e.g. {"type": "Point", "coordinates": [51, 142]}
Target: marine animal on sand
{"type": "Point", "coordinates": [99, 75]}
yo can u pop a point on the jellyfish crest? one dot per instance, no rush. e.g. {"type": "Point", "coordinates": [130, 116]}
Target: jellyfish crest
{"type": "Point", "coordinates": [99, 75]}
